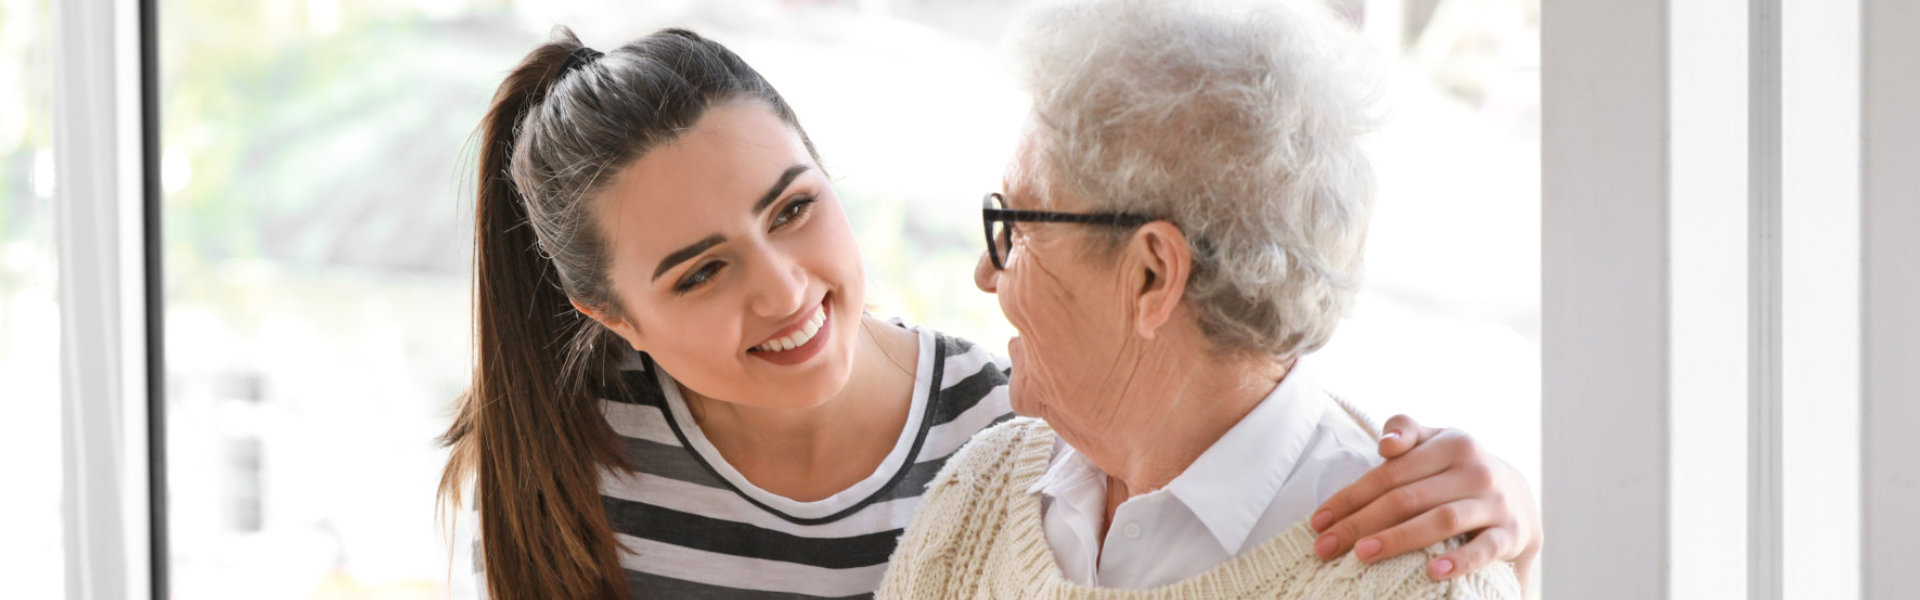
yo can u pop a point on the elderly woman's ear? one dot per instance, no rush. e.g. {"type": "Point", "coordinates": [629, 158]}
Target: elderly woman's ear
{"type": "Point", "coordinates": [1156, 263]}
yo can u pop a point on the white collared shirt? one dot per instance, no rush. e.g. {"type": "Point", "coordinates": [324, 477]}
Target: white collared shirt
{"type": "Point", "coordinates": [1270, 471]}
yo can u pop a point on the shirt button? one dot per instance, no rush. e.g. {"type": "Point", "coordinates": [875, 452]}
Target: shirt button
{"type": "Point", "coordinates": [1133, 531]}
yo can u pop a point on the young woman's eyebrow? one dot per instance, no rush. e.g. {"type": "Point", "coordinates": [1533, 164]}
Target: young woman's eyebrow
{"type": "Point", "coordinates": [694, 249]}
{"type": "Point", "coordinates": [786, 178]}
{"type": "Point", "coordinates": [683, 254]}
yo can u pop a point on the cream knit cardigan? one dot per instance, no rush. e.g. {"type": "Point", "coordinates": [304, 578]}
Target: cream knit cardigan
{"type": "Point", "coordinates": [978, 535]}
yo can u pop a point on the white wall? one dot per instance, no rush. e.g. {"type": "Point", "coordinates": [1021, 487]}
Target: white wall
{"type": "Point", "coordinates": [1604, 298]}
{"type": "Point", "coordinates": [1890, 299]}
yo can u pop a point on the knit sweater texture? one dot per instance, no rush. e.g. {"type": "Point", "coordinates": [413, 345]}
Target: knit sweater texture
{"type": "Point", "coordinates": [978, 534]}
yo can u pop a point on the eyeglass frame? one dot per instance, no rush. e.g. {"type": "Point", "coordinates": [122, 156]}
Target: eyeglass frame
{"type": "Point", "coordinates": [990, 214]}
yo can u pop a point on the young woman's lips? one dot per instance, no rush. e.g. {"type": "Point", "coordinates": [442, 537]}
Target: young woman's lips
{"type": "Point", "coordinates": [805, 350]}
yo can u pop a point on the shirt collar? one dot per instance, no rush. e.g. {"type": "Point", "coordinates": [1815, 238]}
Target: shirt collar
{"type": "Point", "coordinates": [1234, 482]}
{"type": "Point", "coordinates": [1067, 470]}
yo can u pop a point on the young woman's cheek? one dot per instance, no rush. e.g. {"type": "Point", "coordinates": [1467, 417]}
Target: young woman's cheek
{"type": "Point", "coordinates": [706, 324]}
{"type": "Point", "coordinates": [703, 349]}
{"type": "Point", "coordinates": [834, 253]}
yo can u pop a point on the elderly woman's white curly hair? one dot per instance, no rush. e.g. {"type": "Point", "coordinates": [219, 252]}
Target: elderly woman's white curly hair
{"type": "Point", "coordinates": [1239, 122]}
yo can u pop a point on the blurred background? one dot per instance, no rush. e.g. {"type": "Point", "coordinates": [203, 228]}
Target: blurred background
{"type": "Point", "coordinates": [316, 167]}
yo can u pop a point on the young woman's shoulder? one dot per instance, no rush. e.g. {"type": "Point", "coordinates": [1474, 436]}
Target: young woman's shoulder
{"type": "Point", "coordinates": [971, 392]}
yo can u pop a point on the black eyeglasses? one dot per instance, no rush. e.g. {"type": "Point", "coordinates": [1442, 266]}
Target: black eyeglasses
{"type": "Point", "coordinates": [999, 221]}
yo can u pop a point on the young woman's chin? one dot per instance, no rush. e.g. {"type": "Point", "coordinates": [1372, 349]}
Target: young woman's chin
{"type": "Point", "coordinates": [804, 388]}
{"type": "Point", "coordinates": [801, 382]}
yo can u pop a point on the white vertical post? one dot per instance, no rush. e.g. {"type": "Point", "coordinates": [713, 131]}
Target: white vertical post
{"type": "Point", "coordinates": [1708, 326]}
{"type": "Point", "coordinates": [1605, 261]}
{"type": "Point", "coordinates": [97, 177]}
{"type": "Point", "coordinates": [1819, 299]}
{"type": "Point", "coordinates": [1890, 298]}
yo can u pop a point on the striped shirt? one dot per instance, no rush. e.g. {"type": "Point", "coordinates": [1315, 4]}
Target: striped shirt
{"type": "Point", "coordinates": [693, 527]}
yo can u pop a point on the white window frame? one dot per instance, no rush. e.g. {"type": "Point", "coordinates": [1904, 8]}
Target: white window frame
{"type": "Point", "coordinates": [101, 187]}
{"type": "Point", "coordinates": [1817, 437]}
{"type": "Point", "coordinates": [1708, 297]}
{"type": "Point", "coordinates": [1644, 306]}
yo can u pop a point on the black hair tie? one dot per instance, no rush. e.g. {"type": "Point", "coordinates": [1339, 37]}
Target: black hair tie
{"type": "Point", "coordinates": [580, 57]}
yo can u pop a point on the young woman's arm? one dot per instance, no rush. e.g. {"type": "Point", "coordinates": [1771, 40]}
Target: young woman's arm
{"type": "Point", "coordinates": [1436, 484]}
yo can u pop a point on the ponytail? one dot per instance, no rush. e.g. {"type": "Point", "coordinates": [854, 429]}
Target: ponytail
{"type": "Point", "coordinates": [529, 432]}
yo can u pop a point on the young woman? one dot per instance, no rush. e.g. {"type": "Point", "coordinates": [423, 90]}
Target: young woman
{"type": "Point", "coordinates": [677, 393]}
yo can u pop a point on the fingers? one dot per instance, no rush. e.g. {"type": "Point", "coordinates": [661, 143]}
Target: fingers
{"type": "Point", "coordinates": [1367, 490]}
{"type": "Point", "coordinates": [1412, 516]}
{"type": "Point", "coordinates": [1401, 434]}
{"type": "Point", "coordinates": [1429, 528]}
{"type": "Point", "coordinates": [1484, 549]}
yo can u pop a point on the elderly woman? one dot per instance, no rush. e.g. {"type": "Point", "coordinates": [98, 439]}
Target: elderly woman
{"type": "Point", "coordinates": [1181, 225]}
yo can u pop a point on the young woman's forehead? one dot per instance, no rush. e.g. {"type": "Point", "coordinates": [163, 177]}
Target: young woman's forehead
{"type": "Point", "coordinates": [730, 156]}
{"type": "Point", "coordinates": [709, 178]}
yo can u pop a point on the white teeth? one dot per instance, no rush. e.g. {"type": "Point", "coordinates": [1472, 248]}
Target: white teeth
{"type": "Point", "coordinates": [798, 338]}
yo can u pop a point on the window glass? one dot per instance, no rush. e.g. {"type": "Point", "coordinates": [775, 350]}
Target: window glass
{"type": "Point", "coordinates": [316, 166]}
{"type": "Point", "coordinates": [29, 305]}
{"type": "Point", "coordinates": [1447, 327]}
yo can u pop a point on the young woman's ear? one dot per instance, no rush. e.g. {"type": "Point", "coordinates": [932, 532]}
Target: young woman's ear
{"type": "Point", "coordinates": [619, 326]}
{"type": "Point", "coordinates": [1158, 263]}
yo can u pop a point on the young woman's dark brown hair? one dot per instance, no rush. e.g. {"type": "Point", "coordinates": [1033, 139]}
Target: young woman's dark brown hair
{"type": "Point", "coordinates": [529, 433]}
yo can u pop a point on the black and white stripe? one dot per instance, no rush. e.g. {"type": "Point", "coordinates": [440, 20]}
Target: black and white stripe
{"type": "Point", "coordinates": [693, 529]}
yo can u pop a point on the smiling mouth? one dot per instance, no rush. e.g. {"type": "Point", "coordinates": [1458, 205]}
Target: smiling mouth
{"type": "Point", "coordinates": [797, 338]}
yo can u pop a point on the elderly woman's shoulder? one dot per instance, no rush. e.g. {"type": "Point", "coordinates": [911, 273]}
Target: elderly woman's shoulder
{"type": "Point", "coordinates": [1008, 441]}
{"type": "Point", "coordinates": [1400, 577]}
{"type": "Point", "coordinates": [966, 512]}
{"type": "Point", "coordinates": [1002, 454]}
{"type": "Point", "coordinates": [1011, 431]}
{"type": "Point", "coordinates": [1405, 576]}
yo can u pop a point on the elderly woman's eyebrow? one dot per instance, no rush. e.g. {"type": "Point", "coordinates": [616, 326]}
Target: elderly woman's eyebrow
{"type": "Point", "coordinates": [1008, 192]}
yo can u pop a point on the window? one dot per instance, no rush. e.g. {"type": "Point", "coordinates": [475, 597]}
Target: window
{"type": "Point", "coordinates": [316, 211]}
{"type": "Point", "coordinates": [1447, 327]}
{"type": "Point", "coordinates": [317, 224]}
{"type": "Point", "coordinates": [29, 303]}
{"type": "Point", "coordinates": [318, 237]}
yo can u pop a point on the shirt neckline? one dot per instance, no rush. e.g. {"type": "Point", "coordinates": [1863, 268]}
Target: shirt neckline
{"type": "Point", "coordinates": [843, 503]}
{"type": "Point", "coordinates": [1217, 488]}
{"type": "Point", "coordinates": [1290, 548]}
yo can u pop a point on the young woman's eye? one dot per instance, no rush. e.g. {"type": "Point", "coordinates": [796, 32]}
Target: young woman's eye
{"type": "Point", "coordinates": [793, 212]}
{"type": "Point", "coordinates": [697, 278]}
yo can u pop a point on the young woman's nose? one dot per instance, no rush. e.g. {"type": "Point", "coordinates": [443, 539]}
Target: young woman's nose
{"type": "Point", "coordinates": [984, 275]}
{"type": "Point", "coordinates": [779, 285]}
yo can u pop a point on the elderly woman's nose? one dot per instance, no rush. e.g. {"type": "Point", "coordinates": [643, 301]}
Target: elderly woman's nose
{"type": "Point", "coordinates": [984, 275]}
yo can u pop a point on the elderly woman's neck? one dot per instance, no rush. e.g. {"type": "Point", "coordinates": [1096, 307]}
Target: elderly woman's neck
{"type": "Point", "coordinates": [1175, 406]}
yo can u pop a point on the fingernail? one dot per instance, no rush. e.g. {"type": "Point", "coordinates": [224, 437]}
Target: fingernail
{"type": "Point", "coordinates": [1389, 435]}
{"type": "Point", "coordinates": [1322, 520]}
{"type": "Point", "coordinates": [1442, 567]}
{"type": "Point", "coordinates": [1367, 548]}
{"type": "Point", "coordinates": [1325, 546]}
